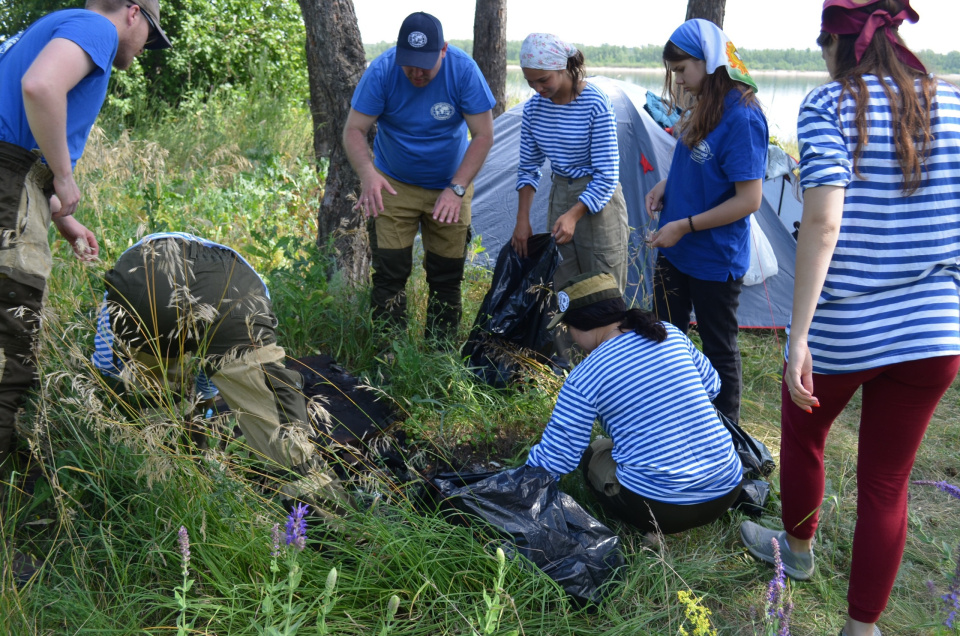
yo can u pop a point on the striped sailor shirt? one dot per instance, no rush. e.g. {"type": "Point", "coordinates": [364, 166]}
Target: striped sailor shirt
{"type": "Point", "coordinates": [653, 400]}
{"type": "Point", "coordinates": [892, 292]}
{"type": "Point", "coordinates": [579, 138]}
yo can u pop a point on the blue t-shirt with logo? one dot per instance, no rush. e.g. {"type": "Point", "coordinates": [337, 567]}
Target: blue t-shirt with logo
{"type": "Point", "coordinates": [421, 133]}
{"type": "Point", "coordinates": [93, 33]}
{"type": "Point", "coordinates": [702, 178]}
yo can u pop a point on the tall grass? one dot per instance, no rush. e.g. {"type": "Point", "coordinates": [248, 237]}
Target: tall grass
{"type": "Point", "coordinates": [116, 489]}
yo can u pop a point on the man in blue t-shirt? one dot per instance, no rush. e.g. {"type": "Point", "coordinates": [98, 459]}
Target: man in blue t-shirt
{"type": "Point", "coordinates": [424, 95]}
{"type": "Point", "coordinates": [53, 80]}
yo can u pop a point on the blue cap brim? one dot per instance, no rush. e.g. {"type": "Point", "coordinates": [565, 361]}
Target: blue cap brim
{"type": "Point", "coordinates": [417, 59]}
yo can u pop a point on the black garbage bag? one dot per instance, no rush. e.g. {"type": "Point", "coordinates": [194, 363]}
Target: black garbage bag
{"type": "Point", "coordinates": [754, 455]}
{"type": "Point", "coordinates": [757, 464]}
{"type": "Point", "coordinates": [544, 525]}
{"type": "Point", "coordinates": [511, 324]}
{"type": "Point", "coordinates": [753, 496]}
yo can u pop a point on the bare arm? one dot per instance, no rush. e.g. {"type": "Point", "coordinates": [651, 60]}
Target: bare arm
{"type": "Point", "coordinates": [372, 183]}
{"type": "Point", "coordinates": [82, 240]}
{"type": "Point", "coordinates": [819, 230]}
{"type": "Point", "coordinates": [747, 199]}
{"type": "Point", "coordinates": [522, 231]}
{"type": "Point", "coordinates": [447, 207]}
{"type": "Point", "coordinates": [56, 70]}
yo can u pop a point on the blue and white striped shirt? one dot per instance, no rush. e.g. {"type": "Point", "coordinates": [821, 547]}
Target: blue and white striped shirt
{"type": "Point", "coordinates": [892, 292]}
{"type": "Point", "coordinates": [654, 401]}
{"type": "Point", "coordinates": [105, 358]}
{"type": "Point", "coordinates": [580, 138]}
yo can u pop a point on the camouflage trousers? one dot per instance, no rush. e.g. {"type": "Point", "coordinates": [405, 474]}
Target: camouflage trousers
{"type": "Point", "coordinates": [25, 263]}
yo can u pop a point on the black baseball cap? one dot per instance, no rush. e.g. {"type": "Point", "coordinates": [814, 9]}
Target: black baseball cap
{"type": "Point", "coordinates": [420, 41]}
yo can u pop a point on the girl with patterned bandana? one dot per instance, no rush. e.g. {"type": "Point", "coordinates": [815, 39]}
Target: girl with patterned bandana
{"type": "Point", "coordinates": [572, 123]}
{"type": "Point", "coordinates": [715, 183]}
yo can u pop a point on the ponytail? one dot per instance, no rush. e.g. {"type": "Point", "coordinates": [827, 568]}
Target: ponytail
{"type": "Point", "coordinates": [644, 324]}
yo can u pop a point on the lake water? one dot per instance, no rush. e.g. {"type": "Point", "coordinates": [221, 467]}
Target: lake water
{"type": "Point", "coordinates": [780, 93]}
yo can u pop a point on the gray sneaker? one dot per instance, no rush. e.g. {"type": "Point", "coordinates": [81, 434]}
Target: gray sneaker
{"type": "Point", "coordinates": [876, 632]}
{"type": "Point", "coordinates": [797, 565]}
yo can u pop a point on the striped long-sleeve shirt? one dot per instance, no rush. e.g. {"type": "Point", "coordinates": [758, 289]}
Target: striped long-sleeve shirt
{"type": "Point", "coordinates": [653, 399]}
{"type": "Point", "coordinates": [579, 138]}
{"type": "Point", "coordinates": [892, 292]}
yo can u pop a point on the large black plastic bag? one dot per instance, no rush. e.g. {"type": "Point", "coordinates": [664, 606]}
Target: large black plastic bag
{"type": "Point", "coordinates": [511, 324]}
{"type": "Point", "coordinates": [545, 525]}
{"type": "Point", "coordinates": [757, 464]}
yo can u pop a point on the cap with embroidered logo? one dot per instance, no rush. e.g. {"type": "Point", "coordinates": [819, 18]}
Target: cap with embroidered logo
{"type": "Point", "coordinates": [420, 41]}
{"type": "Point", "coordinates": [584, 290]}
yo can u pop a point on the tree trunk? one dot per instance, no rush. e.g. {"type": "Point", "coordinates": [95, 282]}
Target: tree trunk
{"type": "Point", "coordinates": [490, 48]}
{"type": "Point", "coordinates": [712, 10]}
{"type": "Point", "coordinates": [335, 62]}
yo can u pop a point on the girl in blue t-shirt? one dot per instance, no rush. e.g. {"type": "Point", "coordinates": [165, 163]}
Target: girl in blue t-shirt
{"type": "Point", "coordinates": [715, 183]}
{"type": "Point", "coordinates": [572, 123]}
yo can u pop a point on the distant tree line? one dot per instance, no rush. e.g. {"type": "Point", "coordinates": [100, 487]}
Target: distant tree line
{"type": "Point", "coordinates": [649, 56]}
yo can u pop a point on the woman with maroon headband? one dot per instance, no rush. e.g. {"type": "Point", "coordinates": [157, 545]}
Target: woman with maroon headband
{"type": "Point", "coordinates": [876, 299]}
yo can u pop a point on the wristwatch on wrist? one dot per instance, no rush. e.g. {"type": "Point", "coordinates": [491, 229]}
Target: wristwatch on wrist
{"type": "Point", "coordinates": [458, 189]}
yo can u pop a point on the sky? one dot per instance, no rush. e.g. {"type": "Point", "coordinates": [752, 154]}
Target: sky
{"type": "Point", "coordinates": [751, 24]}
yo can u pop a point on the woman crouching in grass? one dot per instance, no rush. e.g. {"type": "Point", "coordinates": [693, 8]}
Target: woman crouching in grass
{"type": "Point", "coordinates": [668, 464]}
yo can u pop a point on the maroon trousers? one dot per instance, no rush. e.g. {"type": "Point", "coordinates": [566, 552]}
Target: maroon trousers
{"type": "Point", "coordinates": [898, 402]}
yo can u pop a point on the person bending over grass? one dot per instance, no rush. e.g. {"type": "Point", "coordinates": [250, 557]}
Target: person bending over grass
{"type": "Point", "coordinates": [173, 295]}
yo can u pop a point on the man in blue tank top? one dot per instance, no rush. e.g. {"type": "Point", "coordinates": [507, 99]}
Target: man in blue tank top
{"type": "Point", "coordinates": [53, 81]}
{"type": "Point", "coordinates": [424, 95]}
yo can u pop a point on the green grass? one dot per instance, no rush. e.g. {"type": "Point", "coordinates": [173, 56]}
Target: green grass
{"type": "Point", "coordinates": [115, 491]}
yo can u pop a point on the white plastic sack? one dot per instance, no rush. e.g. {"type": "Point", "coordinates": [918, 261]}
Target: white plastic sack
{"type": "Point", "coordinates": [763, 262]}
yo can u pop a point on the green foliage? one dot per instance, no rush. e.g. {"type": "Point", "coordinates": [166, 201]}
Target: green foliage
{"type": "Point", "coordinates": [225, 42]}
{"type": "Point", "coordinates": [17, 16]}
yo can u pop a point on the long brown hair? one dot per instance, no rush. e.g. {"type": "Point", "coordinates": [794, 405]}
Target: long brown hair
{"type": "Point", "coordinates": [703, 113]}
{"type": "Point", "coordinates": [909, 109]}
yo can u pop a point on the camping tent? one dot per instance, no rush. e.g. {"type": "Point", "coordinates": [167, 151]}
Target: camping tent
{"type": "Point", "coordinates": [645, 154]}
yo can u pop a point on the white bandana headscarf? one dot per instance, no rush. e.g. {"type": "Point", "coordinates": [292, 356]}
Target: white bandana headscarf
{"type": "Point", "coordinates": [546, 52]}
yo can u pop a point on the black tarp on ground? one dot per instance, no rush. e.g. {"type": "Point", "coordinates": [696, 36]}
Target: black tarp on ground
{"type": "Point", "coordinates": [545, 525]}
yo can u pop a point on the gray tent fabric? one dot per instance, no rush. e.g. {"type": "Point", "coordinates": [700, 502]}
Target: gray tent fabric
{"type": "Point", "coordinates": [646, 151]}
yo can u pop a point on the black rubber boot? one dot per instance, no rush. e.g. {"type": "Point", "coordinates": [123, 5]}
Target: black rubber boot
{"type": "Point", "coordinates": [444, 277]}
{"type": "Point", "coordinates": [391, 269]}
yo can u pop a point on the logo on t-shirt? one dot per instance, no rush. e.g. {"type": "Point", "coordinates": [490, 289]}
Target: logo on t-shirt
{"type": "Point", "coordinates": [701, 154]}
{"type": "Point", "coordinates": [417, 39]}
{"type": "Point", "coordinates": [442, 111]}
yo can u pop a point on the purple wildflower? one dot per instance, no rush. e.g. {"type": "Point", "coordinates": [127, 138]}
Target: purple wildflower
{"type": "Point", "coordinates": [946, 487]}
{"type": "Point", "coordinates": [785, 620]}
{"type": "Point", "coordinates": [297, 527]}
{"type": "Point", "coordinates": [775, 587]}
{"type": "Point", "coordinates": [275, 535]}
{"type": "Point", "coordinates": [776, 609]}
{"type": "Point", "coordinates": [184, 540]}
{"type": "Point", "coordinates": [952, 598]}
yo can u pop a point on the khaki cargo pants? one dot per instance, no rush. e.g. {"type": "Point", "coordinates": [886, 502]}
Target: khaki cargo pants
{"type": "Point", "coordinates": [599, 241]}
{"type": "Point", "coordinates": [392, 235]}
